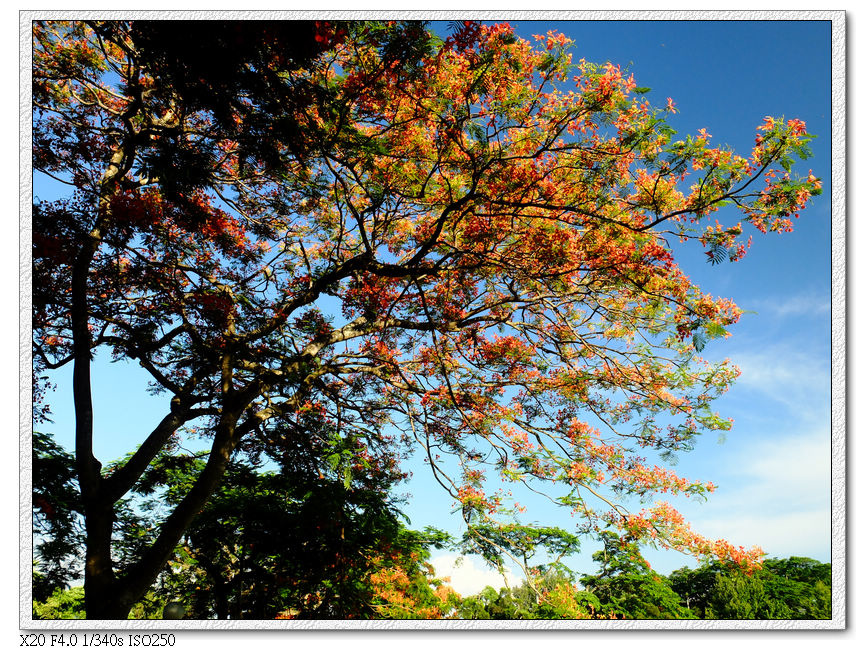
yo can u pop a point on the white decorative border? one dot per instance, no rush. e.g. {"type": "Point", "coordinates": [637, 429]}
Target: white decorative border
{"type": "Point", "coordinates": [838, 325]}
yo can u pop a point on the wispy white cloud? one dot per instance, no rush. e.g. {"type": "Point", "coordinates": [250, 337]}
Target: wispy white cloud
{"type": "Point", "coordinates": [796, 377]}
{"type": "Point", "coordinates": [806, 304]}
{"type": "Point", "coordinates": [468, 575]}
{"type": "Point", "coordinates": [776, 495]}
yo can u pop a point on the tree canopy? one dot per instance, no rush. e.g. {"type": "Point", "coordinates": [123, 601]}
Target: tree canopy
{"type": "Point", "coordinates": [790, 588]}
{"type": "Point", "coordinates": [462, 246]}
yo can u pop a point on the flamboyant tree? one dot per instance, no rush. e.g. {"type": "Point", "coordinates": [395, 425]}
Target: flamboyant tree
{"type": "Point", "coordinates": [465, 245]}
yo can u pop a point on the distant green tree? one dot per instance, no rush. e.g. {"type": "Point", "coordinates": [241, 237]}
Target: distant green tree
{"type": "Point", "coordinates": [490, 604]}
{"type": "Point", "coordinates": [550, 596]}
{"type": "Point", "coordinates": [626, 585]}
{"type": "Point", "coordinates": [741, 597]}
{"type": "Point", "coordinates": [497, 543]}
{"type": "Point", "coordinates": [803, 584]}
{"type": "Point", "coordinates": [696, 586]}
{"type": "Point", "coordinates": [792, 588]}
{"type": "Point", "coordinates": [800, 569]}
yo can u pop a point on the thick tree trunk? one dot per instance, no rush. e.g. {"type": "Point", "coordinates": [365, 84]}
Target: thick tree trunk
{"type": "Point", "coordinates": [100, 592]}
{"type": "Point", "coordinates": [220, 591]}
{"type": "Point", "coordinates": [101, 597]}
{"type": "Point", "coordinates": [106, 601]}
{"type": "Point", "coordinates": [220, 599]}
{"type": "Point", "coordinates": [110, 597]}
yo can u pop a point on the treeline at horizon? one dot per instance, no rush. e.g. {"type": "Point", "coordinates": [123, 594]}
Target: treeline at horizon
{"type": "Point", "coordinates": [313, 545]}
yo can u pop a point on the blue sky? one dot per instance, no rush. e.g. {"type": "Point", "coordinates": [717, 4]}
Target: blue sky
{"type": "Point", "coordinates": [773, 468]}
